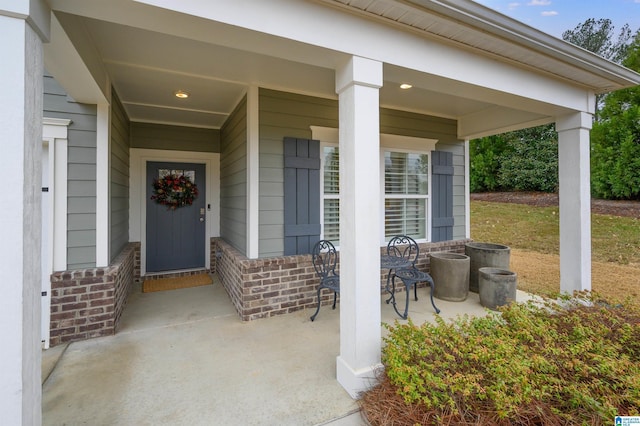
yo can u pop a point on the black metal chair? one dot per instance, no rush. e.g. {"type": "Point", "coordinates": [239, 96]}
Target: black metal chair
{"type": "Point", "coordinates": [406, 247]}
{"type": "Point", "coordinates": [325, 258]}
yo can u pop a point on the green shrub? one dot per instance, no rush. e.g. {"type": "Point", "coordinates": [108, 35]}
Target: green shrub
{"type": "Point", "coordinates": [523, 160]}
{"type": "Point", "coordinates": [535, 362]}
{"type": "Point", "coordinates": [533, 162]}
{"type": "Point", "coordinates": [484, 160]}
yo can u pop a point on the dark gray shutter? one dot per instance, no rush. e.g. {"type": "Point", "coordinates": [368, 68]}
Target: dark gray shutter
{"type": "Point", "coordinates": [301, 195]}
{"type": "Point", "coordinates": [442, 187]}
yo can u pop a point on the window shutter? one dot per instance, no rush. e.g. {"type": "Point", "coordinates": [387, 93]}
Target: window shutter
{"type": "Point", "coordinates": [442, 187]}
{"type": "Point", "coordinates": [301, 195]}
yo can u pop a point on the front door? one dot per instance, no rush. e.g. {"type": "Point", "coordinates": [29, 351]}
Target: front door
{"type": "Point", "coordinates": [175, 233]}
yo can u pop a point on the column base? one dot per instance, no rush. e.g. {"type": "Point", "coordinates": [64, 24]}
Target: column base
{"type": "Point", "coordinates": [356, 381]}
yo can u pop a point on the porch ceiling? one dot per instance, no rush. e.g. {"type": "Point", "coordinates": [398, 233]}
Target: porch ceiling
{"type": "Point", "coordinates": [147, 67]}
{"type": "Point", "coordinates": [148, 53]}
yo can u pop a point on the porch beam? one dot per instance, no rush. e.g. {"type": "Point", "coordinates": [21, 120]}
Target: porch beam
{"type": "Point", "coordinates": [23, 24]}
{"type": "Point", "coordinates": [357, 83]}
{"type": "Point", "coordinates": [575, 201]}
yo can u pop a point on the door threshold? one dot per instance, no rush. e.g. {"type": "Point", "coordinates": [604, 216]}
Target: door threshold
{"type": "Point", "coordinates": [174, 274]}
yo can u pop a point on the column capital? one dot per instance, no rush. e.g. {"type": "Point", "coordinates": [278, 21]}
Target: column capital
{"type": "Point", "coordinates": [359, 71]}
{"type": "Point", "coordinates": [36, 12]}
{"type": "Point", "coordinates": [577, 120]}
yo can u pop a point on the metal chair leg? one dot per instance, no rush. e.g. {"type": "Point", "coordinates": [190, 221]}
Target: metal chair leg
{"type": "Point", "coordinates": [335, 297]}
{"type": "Point", "coordinates": [433, 288]}
{"type": "Point", "coordinates": [391, 298]}
{"type": "Point", "coordinates": [313, 317]}
{"type": "Point", "coordinates": [406, 303]}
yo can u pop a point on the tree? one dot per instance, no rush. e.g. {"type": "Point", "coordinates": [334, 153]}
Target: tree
{"type": "Point", "coordinates": [523, 160]}
{"type": "Point", "coordinates": [596, 36]}
{"type": "Point", "coordinates": [485, 157]}
{"type": "Point", "coordinates": [615, 139]}
{"type": "Point", "coordinates": [531, 163]}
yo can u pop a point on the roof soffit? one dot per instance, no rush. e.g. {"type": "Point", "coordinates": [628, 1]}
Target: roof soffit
{"type": "Point", "coordinates": [473, 26]}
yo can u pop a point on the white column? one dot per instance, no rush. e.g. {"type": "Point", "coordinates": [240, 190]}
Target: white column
{"type": "Point", "coordinates": [253, 173]}
{"type": "Point", "coordinates": [467, 190]}
{"type": "Point", "coordinates": [575, 201]}
{"type": "Point", "coordinates": [22, 24]}
{"type": "Point", "coordinates": [103, 167]}
{"type": "Point", "coordinates": [357, 84]}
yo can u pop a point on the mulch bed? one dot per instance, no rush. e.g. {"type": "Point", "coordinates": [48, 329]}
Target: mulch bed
{"type": "Point", "coordinates": [544, 199]}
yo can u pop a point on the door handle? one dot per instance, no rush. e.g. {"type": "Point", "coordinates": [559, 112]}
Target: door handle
{"type": "Point", "coordinates": [202, 219]}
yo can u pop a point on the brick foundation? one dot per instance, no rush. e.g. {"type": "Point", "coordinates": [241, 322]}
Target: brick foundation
{"type": "Point", "coordinates": [261, 288]}
{"type": "Point", "coordinates": [88, 303]}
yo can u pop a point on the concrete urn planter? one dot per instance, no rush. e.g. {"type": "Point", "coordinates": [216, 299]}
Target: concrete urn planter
{"type": "Point", "coordinates": [450, 273]}
{"type": "Point", "coordinates": [485, 255]}
{"type": "Point", "coordinates": [497, 287]}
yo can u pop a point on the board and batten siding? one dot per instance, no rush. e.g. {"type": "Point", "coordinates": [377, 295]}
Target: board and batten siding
{"type": "Point", "coordinates": [283, 115]}
{"type": "Point", "coordinates": [233, 178]}
{"type": "Point", "coordinates": [81, 160]}
{"type": "Point", "coordinates": [119, 179]}
{"type": "Point", "coordinates": [286, 114]}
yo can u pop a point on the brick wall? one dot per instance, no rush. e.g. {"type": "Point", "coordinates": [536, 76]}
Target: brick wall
{"type": "Point", "coordinates": [261, 288]}
{"type": "Point", "coordinates": [88, 303]}
{"type": "Point", "coordinates": [137, 265]}
{"type": "Point", "coordinates": [213, 253]}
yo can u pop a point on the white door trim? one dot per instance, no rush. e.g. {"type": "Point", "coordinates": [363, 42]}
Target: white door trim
{"type": "Point", "coordinates": [137, 197]}
{"type": "Point", "coordinates": [54, 219]}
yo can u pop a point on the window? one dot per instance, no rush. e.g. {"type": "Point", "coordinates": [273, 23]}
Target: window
{"type": "Point", "coordinates": [406, 193]}
{"type": "Point", "coordinates": [331, 194]}
{"type": "Point", "coordinates": [404, 185]}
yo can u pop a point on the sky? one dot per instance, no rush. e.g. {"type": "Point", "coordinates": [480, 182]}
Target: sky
{"type": "Point", "coordinates": [556, 16]}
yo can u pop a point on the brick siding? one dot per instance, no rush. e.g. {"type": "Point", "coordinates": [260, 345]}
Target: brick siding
{"type": "Point", "coordinates": [261, 288]}
{"type": "Point", "coordinates": [88, 303]}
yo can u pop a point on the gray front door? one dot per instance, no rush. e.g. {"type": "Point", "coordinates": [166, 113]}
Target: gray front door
{"type": "Point", "coordinates": [175, 237]}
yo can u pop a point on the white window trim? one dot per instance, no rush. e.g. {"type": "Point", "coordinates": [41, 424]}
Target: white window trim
{"type": "Point", "coordinates": [328, 136]}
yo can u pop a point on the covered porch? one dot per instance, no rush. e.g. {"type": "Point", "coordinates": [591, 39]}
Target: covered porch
{"type": "Point", "coordinates": [184, 357]}
{"type": "Point", "coordinates": [473, 72]}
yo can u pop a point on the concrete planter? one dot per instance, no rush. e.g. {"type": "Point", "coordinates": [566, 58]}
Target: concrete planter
{"type": "Point", "coordinates": [497, 287]}
{"type": "Point", "coordinates": [450, 273]}
{"type": "Point", "coordinates": [485, 255]}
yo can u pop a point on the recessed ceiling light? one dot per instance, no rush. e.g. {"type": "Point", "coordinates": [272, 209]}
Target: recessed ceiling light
{"type": "Point", "coordinates": [181, 94]}
{"type": "Point", "coordinates": [405, 86]}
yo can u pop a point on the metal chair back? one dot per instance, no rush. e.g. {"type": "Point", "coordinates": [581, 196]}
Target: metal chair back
{"type": "Point", "coordinates": [325, 259]}
{"type": "Point", "coordinates": [404, 246]}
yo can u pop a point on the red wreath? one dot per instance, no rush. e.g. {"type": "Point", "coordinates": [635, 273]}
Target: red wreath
{"type": "Point", "coordinates": [174, 191]}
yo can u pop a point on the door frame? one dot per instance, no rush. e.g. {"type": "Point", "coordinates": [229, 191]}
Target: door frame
{"type": "Point", "coordinates": [137, 194]}
{"type": "Point", "coordinates": [53, 253]}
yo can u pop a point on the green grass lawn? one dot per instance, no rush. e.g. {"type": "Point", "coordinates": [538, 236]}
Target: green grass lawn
{"type": "Point", "coordinates": [613, 239]}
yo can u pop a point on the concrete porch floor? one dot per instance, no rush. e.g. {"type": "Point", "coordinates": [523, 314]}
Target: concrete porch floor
{"type": "Point", "coordinates": [184, 357]}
